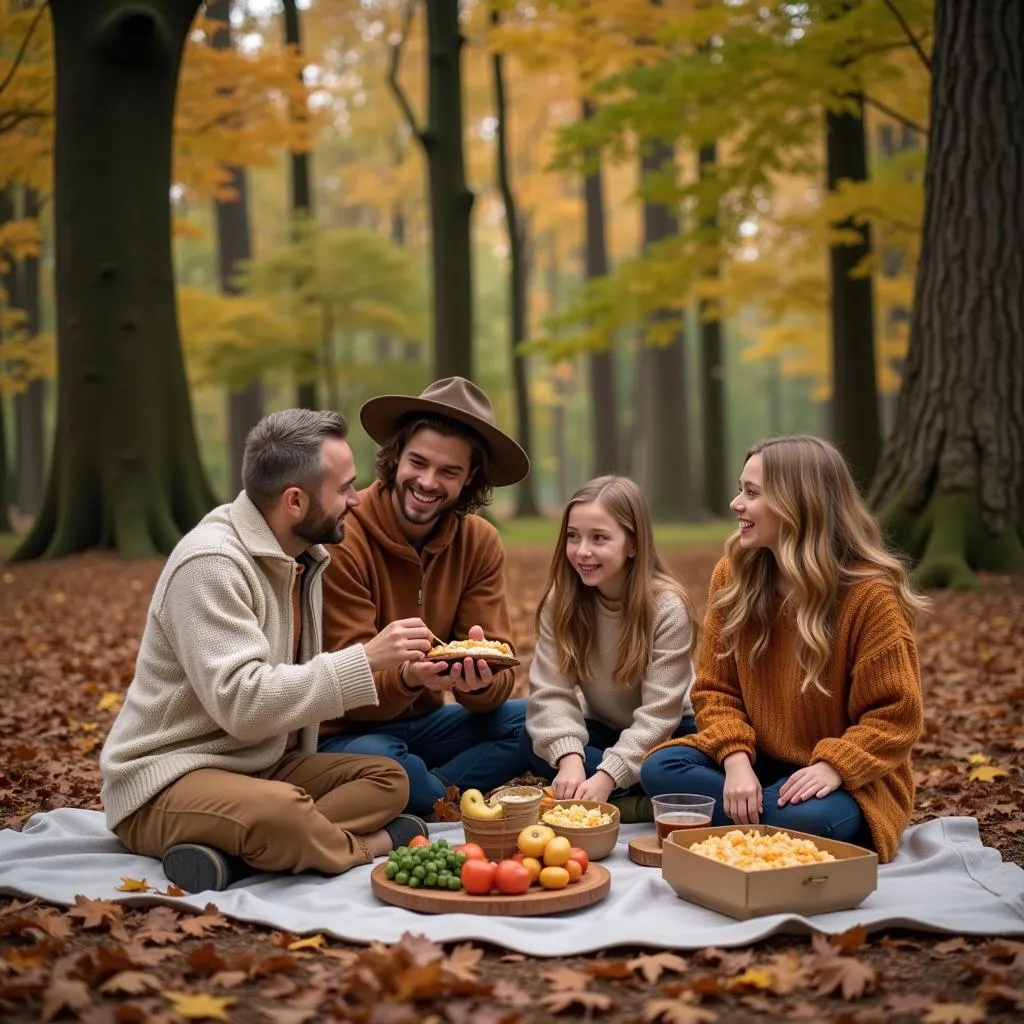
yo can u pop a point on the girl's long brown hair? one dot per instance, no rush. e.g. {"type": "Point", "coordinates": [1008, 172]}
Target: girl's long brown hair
{"type": "Point", "coordinates": [828, 540]}
{"type": "Point", "coordinates": [573, 605]}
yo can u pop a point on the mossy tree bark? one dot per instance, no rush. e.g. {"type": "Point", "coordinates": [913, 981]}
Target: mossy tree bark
{"type": "Point", "coordinates": [949, 485]}
{"type": "Point", "coordinates": [125, 472]}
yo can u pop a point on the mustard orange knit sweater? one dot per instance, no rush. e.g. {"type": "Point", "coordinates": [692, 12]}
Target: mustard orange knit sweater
{"type": "Point", "coordinates": [865, 729]}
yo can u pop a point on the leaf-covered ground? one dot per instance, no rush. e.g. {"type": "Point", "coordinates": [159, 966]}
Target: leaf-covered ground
{"type": "Point", "coordinates": [68, 637]}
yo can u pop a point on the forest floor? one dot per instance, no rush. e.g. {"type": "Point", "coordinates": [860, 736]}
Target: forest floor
{"type": "Point", "coordinates": [68, 641]}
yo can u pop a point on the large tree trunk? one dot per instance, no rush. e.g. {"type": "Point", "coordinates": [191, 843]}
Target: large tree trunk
{"type": "Point", "coordinates": [665, 436]}
{"type": "Point", "coordinates": [856, 420]}
{"type": "Point", "coordinates": [30, 456]}
{"type": "Point", "coordinates": [712, 379]}
{"type": "Point", "coordinates": [8, 288]}
{"type": "Point", "coordinates": [302, 198]}
{"type": "Point", "coordinates": [604, 404]}
{"type": "Point", "coordinates": [234, 244]}
{"type": "Point", "coordinates": [516, 228]}
{"type": "Point", "coordinates": [125, 472]}
{"type": "Point", "coordinates": [950, 481]}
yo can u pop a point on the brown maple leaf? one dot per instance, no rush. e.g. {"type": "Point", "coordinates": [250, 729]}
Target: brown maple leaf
{"type": "Point", "coordinates": [94, 913]}
{"type": "Point", "coordinates": [159, 927]}
{"type": "Point", "coordinates": [1004, 949]}
{"type": "Point", "coordinates": [788, 972]}
{"type": "Point", "coordinates": [509, 994]}
{"type": "Point", "coordinates": [463, 962]}
{"type": "Point", "coordinates": [567, 979]}
{"type": "Point", "coordinates": [653, 965]}
{"type": "Point", "coordinates": [145, 956]}
{"type": "Point", "coordinates": [589, 1002]}
{"type": "Point", "coordinates": [447, 807]}
{"type": "Point", "coordinates": [279, 987]}
{"type": "Point", "coordinates": [230, 979]}
{"type": "Point", "coordinates": [132, 983]}
{"type": "Point", "coordinates": [419, 949]}
{"type": "Point", "coordinates": [65, 993]}
{"type": "Point", "coordinates": [609, 970]}
{"type": "Point", "coordinates": [675, 1011]}
{"type": "Point", "coordinates": [954, 945]}
{"type": "Point", "coordinates": [50, 921]}
{"type": "Point", "coordinates": [205, 960]}
{"type": "Point", "coordinates": [424, 981]}
{"type": "Point", "coordinates": [197, 925]}
{"type": "Point", "coordinates": [954, 1013]}
{"type": "Point", "coordinates": [851, 976]}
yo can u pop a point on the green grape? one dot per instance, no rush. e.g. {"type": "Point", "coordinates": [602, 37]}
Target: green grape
{"type": "Point", "coordinates": [454, 883]}
{"type": "Point", "coordinates": [402, 878]}
{"type": "Point", "coordinates": [430, 880]}
{"type": "Point", "coordinates": [391, 870]}
{"type": "Point", "coordinates": [442, 844]}
{"type": "Point", "coordinates": [419, 872]}
{"type": "Point", "coordinates": [415, 883]}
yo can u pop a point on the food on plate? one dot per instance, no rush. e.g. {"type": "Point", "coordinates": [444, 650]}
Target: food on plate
{"type": "Point", "coordinates": [533, 839]}
{"type": "Point", "coordinates": [581, 856]}
{"type": "Point", "coordinates": [489, 650]}
{"type": "Point", "coordinates": [478, 876]}
{"type": "Point", "coordinates": [511, 878]}
{"type": "Point", "coordinates": [556, 853]}
{"type": "Point", "coordinates": [576, 816]}
{"type": "Point", "coordinates": [431, 866]}
{"type": "Point", "coordinates": [473, 805]}
{"type": "Point", "coordinates": [753, 851]}
{"type": "Point", "coordinates": [554, 878]}
{"type": "Point", "coordinates": [473, 851]}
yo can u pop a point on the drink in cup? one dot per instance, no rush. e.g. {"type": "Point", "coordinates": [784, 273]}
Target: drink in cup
{"type": "Point", "coordinates": [674, 811]}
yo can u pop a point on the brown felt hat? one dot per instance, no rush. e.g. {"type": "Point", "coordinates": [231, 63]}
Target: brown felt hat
{"type": "Point", "coordinates": [458, 399]}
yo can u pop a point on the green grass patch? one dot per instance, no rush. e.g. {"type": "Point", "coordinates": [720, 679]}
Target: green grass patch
{"type": "Point", "coordinates": [668, 536]}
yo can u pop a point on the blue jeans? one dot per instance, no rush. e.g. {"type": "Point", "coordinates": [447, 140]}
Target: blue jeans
{"type": "Point", "coordinates": [687, 770]}
{"type": "Point", "coordinates": [600, 737]}
{"type": "Point", "coordinates": [447, 747]}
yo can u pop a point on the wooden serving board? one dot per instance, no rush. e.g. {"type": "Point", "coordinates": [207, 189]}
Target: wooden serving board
{"type": "Point", "coordinates": [495, 661]}
{"type": "Point", "coordinates": [645, 851]}
{"type": "Point", "coordinates": [591, 888]}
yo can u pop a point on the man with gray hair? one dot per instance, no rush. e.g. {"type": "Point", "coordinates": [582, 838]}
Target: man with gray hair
{"type": "Point", "coordinates": [211, 764]}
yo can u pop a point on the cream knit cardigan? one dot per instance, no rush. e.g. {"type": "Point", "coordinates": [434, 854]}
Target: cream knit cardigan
{"type": "Point", "coordinates": [214, 686]}
{"type": "Point", "coordinates": [646, 712]}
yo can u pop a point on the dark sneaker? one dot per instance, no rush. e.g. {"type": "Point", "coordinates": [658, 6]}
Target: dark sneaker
{"type": "Point", "coordinates": [198, 868]}
{"type": "Point", "coordinates": [405, 827]}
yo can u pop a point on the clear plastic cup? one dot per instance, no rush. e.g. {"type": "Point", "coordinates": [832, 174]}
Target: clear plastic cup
{"type": "Point", "coordinates": [674, 811]}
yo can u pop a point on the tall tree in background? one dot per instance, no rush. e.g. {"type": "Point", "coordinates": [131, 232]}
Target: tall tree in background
{"type": "Point", "coordinates": [7, 288]}
{"type": "Point", "coordinates": [29, 456]}
{"type": "Point", "coordinates": [451, 201]}
{"type": "Point", "coordinates": [302, 192]}
{"type": "Point", "coordinates": [125, 471]}
{"type": "Point", "coordinates": [604, 401]}
{"type": "Point", "coordinates": [516, 226]}
{"type": "Point", "coordinates": [856, 418]}
{"type": "Point", "coordinates": [234, 245]}
{"type": "Point", "coordinates": [951, 478]}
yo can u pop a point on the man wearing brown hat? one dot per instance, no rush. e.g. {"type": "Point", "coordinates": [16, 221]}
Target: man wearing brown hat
{"type": "Point", "coordinates": [414, 548]}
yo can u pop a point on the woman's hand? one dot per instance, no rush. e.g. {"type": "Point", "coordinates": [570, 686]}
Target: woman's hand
{"type": "Point", "coordinates": [814, 781]}
{"type": "Point", "coordinates": [571, 776]}
{"type": "Point", "coordinates": [598, 787]}
{"type": "Point", "coordinates": [742, 800]}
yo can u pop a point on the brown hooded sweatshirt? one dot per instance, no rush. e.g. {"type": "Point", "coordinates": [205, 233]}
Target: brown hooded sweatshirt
{"type": "Point", "coordinates": [456, 580]}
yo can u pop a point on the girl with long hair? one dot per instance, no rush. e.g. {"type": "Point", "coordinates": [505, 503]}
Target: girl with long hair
{"type": "Point", "coordinates": [612, 670]}
{"type": "Point", "coordinates": [808, 690]}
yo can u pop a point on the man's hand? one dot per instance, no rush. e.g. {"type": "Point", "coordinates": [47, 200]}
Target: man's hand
{"type": "Point", "coordinates": [469, 675]}
{"type": "Point", "coordinates": [431, 675]}
{"type": "Point", "coordinates": [399, 641]}
{"type": "Point", "coordinates": [571, 776]}
{"type": "Point", "coordinates": [742, 799]}
{"type": "Point", "coordinates": [816, 780]}
{"type": "Point", "coordinates": [598, 787]}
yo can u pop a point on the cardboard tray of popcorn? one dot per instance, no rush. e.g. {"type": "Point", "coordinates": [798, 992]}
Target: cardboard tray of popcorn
{"type": "Point", "coordinates": [747, 889]}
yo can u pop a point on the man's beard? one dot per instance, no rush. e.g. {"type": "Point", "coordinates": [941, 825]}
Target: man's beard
{"type": "Point", "coordinates": [316, 527]}
{"type": "Point", "coordinates": [423, 517]}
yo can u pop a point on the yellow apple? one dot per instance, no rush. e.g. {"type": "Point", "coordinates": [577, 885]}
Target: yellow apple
{"type": "Point", "coordinates": [533, 839]}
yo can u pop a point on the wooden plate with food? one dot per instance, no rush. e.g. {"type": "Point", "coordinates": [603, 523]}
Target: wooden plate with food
{"type": "Point", "coordinates": [494, 652]}
{"type": "Point", "coordinates": [591, 888]}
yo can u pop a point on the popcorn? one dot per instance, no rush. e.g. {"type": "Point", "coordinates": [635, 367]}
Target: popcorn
{"type": "Point", "coordinates": [481, 648]}
{"type": "Point", "coordinates": [576, 816]}
{"type": "Point", "coordinates": [752, 851]}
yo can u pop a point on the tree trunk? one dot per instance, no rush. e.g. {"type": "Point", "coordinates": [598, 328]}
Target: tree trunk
{"type": "Point", "coordinates": [234, 244]}
{"type": "Point", "coordinates": [302, 195]}
{"type": "Point", "coordinates": [451, 201]}
{"type": "Point", "coordinates": [29, 432]}
{"type": "Point", "coordinates": [517, 229]}
{"type": "Point", "coordinates": [8, 288]}
{"type": "Point", "coordinates": [665, 411]}
{"type": "Point", "coordinates": [604, 402]}
{"type": "Point", "coordinates": [950, 481]}
{"type": "Point", "coordinates": [712, 372]}
{"type": "Point", "coordinates": [856, 420]}
{"type": "Point", "coordinates": [125, 472]}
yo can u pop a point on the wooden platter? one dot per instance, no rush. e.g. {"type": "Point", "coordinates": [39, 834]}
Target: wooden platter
{"type": "Point", "coordinates": [591, 888]}
{"type": "Point", "coordinates": [645, 851]}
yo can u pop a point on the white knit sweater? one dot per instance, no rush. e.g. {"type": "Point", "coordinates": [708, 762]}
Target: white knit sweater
{"type": "Point", "coordinates": [646, 712]}
{"type": "Point", "coordinates": [214, 685]}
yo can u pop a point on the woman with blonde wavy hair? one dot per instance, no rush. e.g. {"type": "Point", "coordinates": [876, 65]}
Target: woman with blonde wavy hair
{"type": "Point", "coordinates": [808, 690]}
{"type": "Point", "coordinates": [612, 669]}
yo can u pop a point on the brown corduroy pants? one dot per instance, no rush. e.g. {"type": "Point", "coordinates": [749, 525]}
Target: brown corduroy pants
{"type": "Point", "coordinates": [305, 813]}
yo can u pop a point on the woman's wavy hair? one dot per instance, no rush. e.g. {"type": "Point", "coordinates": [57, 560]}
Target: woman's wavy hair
{"type": "Point", "coordinates": [828, 540]}
{"type": "Point", "coordinates": [480, 486]}
{"type": "Point", "coordinates": [573, 604]}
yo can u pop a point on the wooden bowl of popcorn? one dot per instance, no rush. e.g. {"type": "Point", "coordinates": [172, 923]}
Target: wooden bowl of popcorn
{"type": "Point", "coordinates": [588, 824]}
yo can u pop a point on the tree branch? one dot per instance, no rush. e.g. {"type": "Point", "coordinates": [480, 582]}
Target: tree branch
{"type": "Point", "coordinates": [914, 41]}
{"type": "Point", "coordinates": [895, 115]}
{"type": "Point", "coordinates": [22, 49]}
{"type": "Point", "coordinates": [396, 59]}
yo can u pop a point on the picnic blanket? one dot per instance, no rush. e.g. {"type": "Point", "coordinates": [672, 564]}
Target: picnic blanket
{"type": "Point", "coordinates": [942, 880]}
